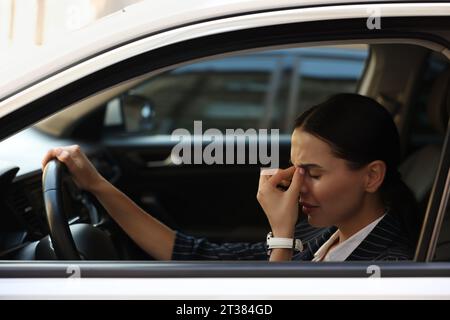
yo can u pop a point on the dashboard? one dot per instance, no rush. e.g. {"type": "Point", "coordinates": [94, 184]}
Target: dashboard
{"type": "Point", "coordinates": [22, 213]}
{"type": "Point", "coordinates": [23, 224]}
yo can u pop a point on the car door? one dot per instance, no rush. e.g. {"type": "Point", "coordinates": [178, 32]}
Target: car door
{"type": "Point", "coordinates": [305, 274]}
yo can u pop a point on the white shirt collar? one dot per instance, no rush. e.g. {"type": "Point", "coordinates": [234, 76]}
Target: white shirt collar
{"type": "Point", "coordinates": [344, 249]}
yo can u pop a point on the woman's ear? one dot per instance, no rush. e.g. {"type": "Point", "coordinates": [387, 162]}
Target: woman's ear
{"type": "Point", "coordinates": [376, 170]}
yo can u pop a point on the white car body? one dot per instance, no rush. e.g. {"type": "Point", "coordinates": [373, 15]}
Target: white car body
{"type": "Point", "coordinates": [149, 25]}
{"type": "Point", "coordinates": [83, 54]}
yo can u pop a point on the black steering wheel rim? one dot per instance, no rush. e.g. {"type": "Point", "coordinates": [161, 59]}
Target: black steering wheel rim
{"type": "Point", "coordinates": [60, 234]}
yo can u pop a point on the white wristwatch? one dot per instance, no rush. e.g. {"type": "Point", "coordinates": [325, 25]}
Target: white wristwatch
{"type": "Point", "coordinates": [283, 243]}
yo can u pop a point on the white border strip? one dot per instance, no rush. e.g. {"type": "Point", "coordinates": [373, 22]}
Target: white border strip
{"type": "Point", "coordinates": [227, 288]}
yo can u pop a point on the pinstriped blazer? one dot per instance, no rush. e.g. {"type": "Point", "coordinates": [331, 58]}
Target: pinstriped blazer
{"type": "Point", "coordinates": [386, 241]}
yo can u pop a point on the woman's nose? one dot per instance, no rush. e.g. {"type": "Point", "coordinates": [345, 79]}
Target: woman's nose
{"type": "Point", "coordinates": [304, 188]}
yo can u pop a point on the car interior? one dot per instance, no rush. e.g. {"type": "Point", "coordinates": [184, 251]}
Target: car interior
{"type": "Point", "coordinates": [126, 132]}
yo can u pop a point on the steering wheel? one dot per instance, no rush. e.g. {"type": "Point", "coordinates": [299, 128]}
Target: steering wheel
{"type": "Point", "coordinates": [70, 242]}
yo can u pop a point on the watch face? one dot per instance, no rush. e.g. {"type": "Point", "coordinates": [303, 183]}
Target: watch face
{"type": "Point", "coordinates": [299, 245]}
{"type": "Point", "coordinates": [269, 251]}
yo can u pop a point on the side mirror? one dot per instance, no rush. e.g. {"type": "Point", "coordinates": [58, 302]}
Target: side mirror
{"type": "Point", "coordinates": [138, 112]}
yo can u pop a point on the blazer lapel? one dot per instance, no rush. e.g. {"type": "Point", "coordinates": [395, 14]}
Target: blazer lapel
{"type": "Point", "coordinates": [312, 245]}
{"type": "Point", "coordinates": [386, 232]}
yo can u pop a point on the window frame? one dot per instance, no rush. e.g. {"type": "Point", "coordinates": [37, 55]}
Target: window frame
{"type": "Point", "coordinates": [437, 205]}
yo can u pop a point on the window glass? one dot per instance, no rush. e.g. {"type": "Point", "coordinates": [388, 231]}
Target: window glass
{"type": "Point", "coordinates": [423, 131]}
{"type": "Point", "coordinates": [256, 90]}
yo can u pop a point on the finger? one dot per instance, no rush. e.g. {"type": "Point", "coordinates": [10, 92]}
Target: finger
{"type": "Point", "coordinates": [269, 171]}
{"type": "Point", "coordinates": [285, 183]}
{"type": "Point", "coordinates": [285, 174]}
{"type": "Point", "coordinates": [66, 158]}
{"type": "Point", "coordinates": [52, 153]}
{"type": "Point", "coordinates": [76, 155]}
{"type": "Point", "coordinates": [265, 175]}
{"type": "Point", "coordinates": [297, 181]}
{"type": "Point", "coordinates": [74, 148]}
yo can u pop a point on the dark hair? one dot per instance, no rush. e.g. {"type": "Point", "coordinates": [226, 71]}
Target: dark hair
{"type": "Point", "coordinates": [360, 130]}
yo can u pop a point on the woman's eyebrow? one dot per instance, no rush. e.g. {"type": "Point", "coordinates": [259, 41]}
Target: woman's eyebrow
{"type": "Point", "coordinates": [307, 166]}
{"type": "Point", "coordinates": [310, 166]}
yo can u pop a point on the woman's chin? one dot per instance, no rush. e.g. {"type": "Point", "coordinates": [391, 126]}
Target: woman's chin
{"type": "Point", "coordinates": [316, 222]}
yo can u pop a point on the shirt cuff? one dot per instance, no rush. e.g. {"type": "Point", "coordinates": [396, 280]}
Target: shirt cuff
{"type": "Point", "coordinates": [182, 249]}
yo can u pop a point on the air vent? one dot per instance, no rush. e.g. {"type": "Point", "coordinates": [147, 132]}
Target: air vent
{"type": "Point", "coordinates": [25, 205]}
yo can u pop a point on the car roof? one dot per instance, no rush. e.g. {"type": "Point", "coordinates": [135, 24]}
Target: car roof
{"type": "Point", "coordinates": [130, 23]}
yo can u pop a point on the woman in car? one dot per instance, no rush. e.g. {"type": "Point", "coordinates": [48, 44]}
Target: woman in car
{"type": "Point", "coordinates": [343, 198]}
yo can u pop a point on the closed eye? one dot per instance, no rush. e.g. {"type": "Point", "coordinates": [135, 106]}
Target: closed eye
{"type": "Point", "coordinates": [313, 176]}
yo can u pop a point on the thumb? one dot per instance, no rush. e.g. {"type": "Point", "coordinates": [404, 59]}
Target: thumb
{"type": "Point", "coordinates": [297, 181]}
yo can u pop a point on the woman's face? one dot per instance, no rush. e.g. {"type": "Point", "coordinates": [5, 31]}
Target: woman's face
{"type": "Point", "coordinates": [333, 190]}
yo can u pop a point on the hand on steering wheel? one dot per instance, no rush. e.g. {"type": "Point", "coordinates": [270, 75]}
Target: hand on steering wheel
{"type": "Point", "coordinates": [90, 242]}
{"type": "Point", "coordinates": [83, 173]}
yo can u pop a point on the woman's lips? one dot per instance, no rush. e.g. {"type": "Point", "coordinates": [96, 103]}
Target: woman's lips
{"type": "Point", "coordinates": [307, 208]}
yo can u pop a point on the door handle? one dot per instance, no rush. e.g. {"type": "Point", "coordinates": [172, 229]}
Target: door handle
{"type": "Point", "coordinates": [161, 163]}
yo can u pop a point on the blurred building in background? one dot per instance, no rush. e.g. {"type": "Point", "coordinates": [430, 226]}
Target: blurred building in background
{"type": "Point", "coordinates": [29, 24]}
